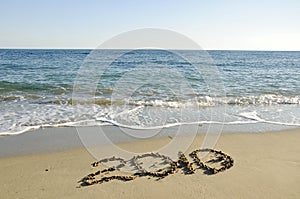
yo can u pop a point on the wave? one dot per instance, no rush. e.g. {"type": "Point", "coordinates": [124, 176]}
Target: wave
{"type": "Point", "coordinates": [200, 101]}
{"type": "Point", "coordinates": [29, 88]}
{"type": "Point", "coordinates": [254, 117]}
{"type": "Point", "coordinates": [31, 112]}
{"type": "Point", "coordinates": [82, 123]}
{"type": "Point", "coordinates": [19, 97]}
{"type": "Point", "coordinates": [108, 122]}
{"type": "Point", "coordinates": [115, 123]}
{"type": "Point", "coordinates": [263, 99]}
{"type": "Point", "coordinates": [215, 101]}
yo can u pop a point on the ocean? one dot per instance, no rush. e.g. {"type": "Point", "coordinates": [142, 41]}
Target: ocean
{"type": "Point", "coordinates": [243, 91]}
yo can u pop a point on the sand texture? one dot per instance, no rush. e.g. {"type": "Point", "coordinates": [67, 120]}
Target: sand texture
{"type": "Point", "coordinates": [266, 165]}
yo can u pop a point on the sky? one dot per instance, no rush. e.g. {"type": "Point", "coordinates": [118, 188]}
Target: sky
{"type": "Point", "coordinates": [213, 24]}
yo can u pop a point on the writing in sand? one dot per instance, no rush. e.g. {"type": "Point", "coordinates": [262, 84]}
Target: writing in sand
{"type": "Point", "coordinates": [160, 166]}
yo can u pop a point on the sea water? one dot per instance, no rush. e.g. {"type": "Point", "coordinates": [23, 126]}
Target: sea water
{"type": "Point", "coordinates": [148, 89]}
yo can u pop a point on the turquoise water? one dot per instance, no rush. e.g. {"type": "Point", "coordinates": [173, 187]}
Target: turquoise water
{"type": "Point", "coordinates": [148, 89]}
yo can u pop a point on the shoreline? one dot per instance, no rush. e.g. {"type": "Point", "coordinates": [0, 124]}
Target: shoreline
{"type": "Point", "coordinates": [266, 165]}
{"type": "Point", "coordinates": [68, 138]}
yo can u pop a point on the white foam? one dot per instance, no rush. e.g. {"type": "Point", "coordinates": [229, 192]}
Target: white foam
{"type": "Point", "coordinates": [252, 116]}
{"type": "Point", "coordinates": [16, 117]}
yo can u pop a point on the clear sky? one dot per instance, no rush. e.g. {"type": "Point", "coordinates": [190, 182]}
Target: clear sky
{"type": "Point", "coordinates": [213, 24]}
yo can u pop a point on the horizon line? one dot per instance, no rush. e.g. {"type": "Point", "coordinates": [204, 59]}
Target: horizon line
{"type": "Point", "coordinates": [24, 48]}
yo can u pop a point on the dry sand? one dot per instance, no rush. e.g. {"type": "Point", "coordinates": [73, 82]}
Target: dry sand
{"type": "Point", "coordinates": [267, 165]}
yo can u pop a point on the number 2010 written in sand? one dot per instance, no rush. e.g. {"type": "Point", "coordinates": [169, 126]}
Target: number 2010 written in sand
{"type": "Point", "coordinates": [215, 157]}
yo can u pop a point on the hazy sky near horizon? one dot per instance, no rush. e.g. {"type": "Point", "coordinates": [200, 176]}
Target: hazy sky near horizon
{"type": "Point", "coordinates": [215, 24]}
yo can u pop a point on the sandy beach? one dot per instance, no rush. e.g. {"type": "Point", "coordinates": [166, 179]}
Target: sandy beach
{"type": "Point", "coordinates": [150, 99]}
{"type": "Point", "coordinates": [266, 165]}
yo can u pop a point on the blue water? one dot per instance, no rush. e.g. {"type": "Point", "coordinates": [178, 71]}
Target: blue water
{"type": "Point", "coordinates": [147, 88]}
